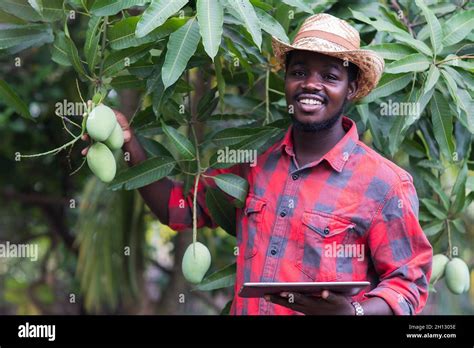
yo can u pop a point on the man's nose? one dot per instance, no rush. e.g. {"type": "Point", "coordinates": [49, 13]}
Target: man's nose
{"type": "Point", "coordinates": [312, 82]}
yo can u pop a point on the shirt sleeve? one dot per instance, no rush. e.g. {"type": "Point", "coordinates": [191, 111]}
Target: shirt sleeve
{"type": "Point", "coordinates": [180, 208]}
{"type": "Point", "coordinates": [400, 251]}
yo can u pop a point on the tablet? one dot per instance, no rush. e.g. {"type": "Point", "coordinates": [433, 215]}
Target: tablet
{"type": "Point", "coordinates": [261, 289]}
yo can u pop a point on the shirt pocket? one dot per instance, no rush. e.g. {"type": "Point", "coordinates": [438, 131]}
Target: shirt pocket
{"type": "Point", "coordinates": [318, 237]}
{"type": "Point", "coordinates": [254, 212]}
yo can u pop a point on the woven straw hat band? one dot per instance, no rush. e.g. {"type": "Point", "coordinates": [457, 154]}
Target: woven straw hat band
{"type": "Point", "coordinates": [336, 39]}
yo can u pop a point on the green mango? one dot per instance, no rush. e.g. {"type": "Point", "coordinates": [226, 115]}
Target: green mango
{"type": "Point", "coordinates": [439, 265]}
{"type": "Point", "coordinates": [457, 276]}
{"type": "Point", "coordinates": [101, 162]}
{"type": "Point", "coordinates": [101, 122]}
{"type": "Point", "coordinates": [195, 265]}
{"type": "Point", "coordinates": [115, 140]}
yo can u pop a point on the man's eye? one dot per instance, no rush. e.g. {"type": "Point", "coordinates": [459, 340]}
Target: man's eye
{"type": "Point", "coordinates": [331, 77]}
{"type": "Point", "coordinates": [298, 73]}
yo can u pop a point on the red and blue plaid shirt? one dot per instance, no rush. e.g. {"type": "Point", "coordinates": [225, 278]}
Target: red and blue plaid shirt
{"type": "Point", "coordinates": [350, 216]}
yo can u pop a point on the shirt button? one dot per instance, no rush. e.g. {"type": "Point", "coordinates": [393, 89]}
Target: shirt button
{"type": "Point", "coordinates": [273, 252]}
{"type": "Point", "coordinates": [295, 176]}
{"type": "Point", "coordinates": [283, 213]}
{"type": "Point", "coordinates": [326, 230]}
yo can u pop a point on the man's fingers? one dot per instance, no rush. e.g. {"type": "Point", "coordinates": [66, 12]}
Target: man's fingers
{"type": "Point", "coordinates": [331, 297]}
{"type": "Point", "coordinates": [284, 302]}
{"type": "Point", "coordinates": [84, 151]}
{"type": "Point", "coordinates": [294, 297]}
{"type": "Point", "coordinates": [85, 137]}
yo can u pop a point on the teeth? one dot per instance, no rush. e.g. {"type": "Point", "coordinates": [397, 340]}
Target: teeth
{"type": "Point", "coordinates": [310, 101]}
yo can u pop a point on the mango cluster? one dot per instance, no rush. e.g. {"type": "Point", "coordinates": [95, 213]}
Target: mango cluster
{"type": "Point", "coordinates": [103, 128]}
{"type": "Point", "coordinates": [455, 271]}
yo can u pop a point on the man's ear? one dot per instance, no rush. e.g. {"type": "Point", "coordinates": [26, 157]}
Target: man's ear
{"type": "Point", "coordinates": [352, 90]}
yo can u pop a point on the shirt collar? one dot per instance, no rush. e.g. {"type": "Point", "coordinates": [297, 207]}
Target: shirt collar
{"type": "Point", "coordinates": [338, 155]}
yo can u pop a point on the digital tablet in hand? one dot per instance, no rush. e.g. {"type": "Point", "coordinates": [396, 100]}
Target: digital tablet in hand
{"type": "Point", "coordinates": [314, 288]}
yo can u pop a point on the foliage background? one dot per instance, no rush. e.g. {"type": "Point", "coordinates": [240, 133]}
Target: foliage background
{"type": "Point", "coordinates": [222, 78]}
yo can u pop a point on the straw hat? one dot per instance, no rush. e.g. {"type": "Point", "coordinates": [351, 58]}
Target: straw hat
{"type": "Point", "coordinates": [334, 37]}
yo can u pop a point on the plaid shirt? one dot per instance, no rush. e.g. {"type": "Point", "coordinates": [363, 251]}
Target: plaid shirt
{"type": "Point", "coordinates": [350, 216]}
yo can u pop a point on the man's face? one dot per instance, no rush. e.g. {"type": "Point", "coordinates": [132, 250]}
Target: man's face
{"type": "Point", "coordinates": [317, 86]}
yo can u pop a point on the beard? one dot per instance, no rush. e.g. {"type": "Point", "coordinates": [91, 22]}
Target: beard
{"type": "Point", "coordinates": [318, 126]}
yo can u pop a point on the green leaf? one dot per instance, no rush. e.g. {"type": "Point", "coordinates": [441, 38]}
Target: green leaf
{"type": "Point", "coordinates": [233, 185]}
{"type": "Point", "coordinates": [254, 143]}
{"type": "Point", "coordinates": [398, 33]}
{"type": "Point", "coordinates": [37, 5]}
{"type": "Point", "coordinates": [59, 50]}
{"type": "Point", "coordinates": [452, 86]}
{"type": "Point", "coordinates": [222, 278]}
{"type": "Point", "coordinates": [458, 27]}
{"type": "Point", "coordinates": [220, 78]}
{"type": "Point", "coordinates": [207, 105]}
{"type": "Point", "coordinates": [34, 10]}
{"type": "Point", "coordinates": [418, 45]}
{"type": "Point", "coordinates": [222, 211]}
{"type": "Point", "coordinates": [243, 61]}
{"type": "Point", "coordinates": [459, 191]}
{"type": "Point", "coordinates": [466, 103]}
{"type": "Point", "coordinates": [436, 32]}
{"type": "Point", "coordinates": [153, 148]}
{"type": "Point", "coordinates": [433, 228]}
{"type": "Point", "coordinates": [458, 225]}
{"type": "Point", "coordinates": [122, 34]}
{"type": "Point", "coordinates": [143, 174]}
{"type": "Point", "coordinates": [156, 14]}
{"type": "Point", "coordinates": [9, 97]}
{"type": "Point", "coordinates": [442, 123]}
{"type": "Point", "coordinates": [112, 7]}
{"type": "Point", "coordinates": [24, 36]}
{"type": "Point", "coordinates": [413, 62]}
{"type": "Point", "coordinates": [227, 308]}
{"type": "Point", "coordinates": [91, 46]}
{"type": "Point", "coordinates": [73, 54]}
{"type": "Point", "coordinates": [120, 60]}
{"type": "Point", "coordinates": [388, 85]}
{"type": "Point", "coordinates": [434, 208]}
{"type": "Point", "coordinates": [127, 82]}
{"type": "Point", "coordinates": [20, 8]}
{"type": "Point", "coordinates": [181, 46]}
{"type": "Point", "coordinates": [247, 15]}
{"type": "Point", "coordinates": [300, 5]}
{"type": "Point", "coordinates": [53, 10]}
{"type": "Point", "coordinates": [391, 51]}
{"type": "Point", "coordinates": [182, 144]}
{"type": "Point", "coordinates": [231, 136]}
{"type": "Point", "coordinates": [7, 18]}
{"type": "Point", "coordinates": [456, 61]}
{"type": "Point", "coordinates": [431, 78]}
{"type": "Point", "coordinates": [436, 186]}
{"type": "Point", "coordinates": [271, 25]}
{"type": "Point", "coordinates": [210, 15]}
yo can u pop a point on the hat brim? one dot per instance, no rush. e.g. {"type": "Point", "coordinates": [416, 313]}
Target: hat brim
{"type": "Point", "coordinates": [369, 63]}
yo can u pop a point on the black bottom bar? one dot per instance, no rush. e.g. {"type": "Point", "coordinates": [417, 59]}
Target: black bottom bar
{"type": "Point", "coordinates": [194, 330]}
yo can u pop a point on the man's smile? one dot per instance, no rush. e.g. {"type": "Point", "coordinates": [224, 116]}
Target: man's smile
{"type": "Point", "coordinates": [310, 102]}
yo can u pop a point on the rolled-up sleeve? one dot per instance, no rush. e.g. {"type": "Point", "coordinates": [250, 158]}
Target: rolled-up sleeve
{"type": "Point", "coordinates": [400, 252]}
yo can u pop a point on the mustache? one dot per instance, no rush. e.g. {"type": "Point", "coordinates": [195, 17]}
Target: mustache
{"type": "Point", "coordinates": [309, 95]}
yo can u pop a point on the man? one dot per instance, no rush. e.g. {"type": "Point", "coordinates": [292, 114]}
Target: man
{"type": "Point", "coordinates": [322, 206]}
